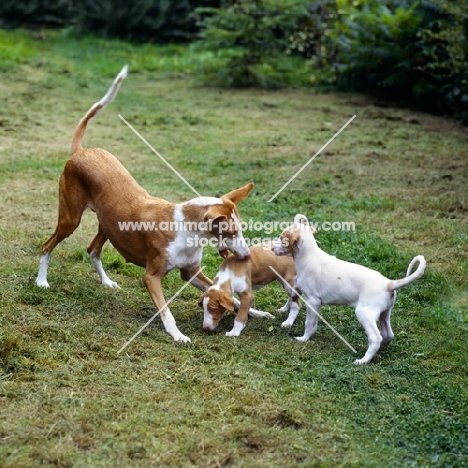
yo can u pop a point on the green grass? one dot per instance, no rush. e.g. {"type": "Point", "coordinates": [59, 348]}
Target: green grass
{"type": "Point", "coordinates": [67, 399]}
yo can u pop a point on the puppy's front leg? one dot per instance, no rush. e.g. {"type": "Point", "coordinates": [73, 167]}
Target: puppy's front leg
{"type": "Point", "coordinates": [246, 300]}
{"type": "Point", "coordinates": [253, 312]}
{"type": "Point", "coordinates": [199, 280]}
{"type": "Point", "coordinates": [313, 306]}
{"type": "Point", "coordinates": [294, 306]}
{"type": "Point", "coordinates": [153, 285]}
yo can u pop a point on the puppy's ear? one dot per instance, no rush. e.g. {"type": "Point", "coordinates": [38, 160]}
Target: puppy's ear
{"type": "Point", "coordinates": [293, 237]}
{"type": "Point", "coordinates": [239, 194]}
{"type": "Point", "coordinates": [301, 219]}
{"type": "Point", "coordinates": [200, 300]}
{"type": "Point", "coordinates": [226, 301]}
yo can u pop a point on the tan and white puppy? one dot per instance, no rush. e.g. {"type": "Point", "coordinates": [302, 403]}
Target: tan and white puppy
{"type": "Point", "coordinates": [241, 277]}
{"type": "Point", "coordinates": [324, 279]}
{"type": "Point", "coordinates": [94, 178]}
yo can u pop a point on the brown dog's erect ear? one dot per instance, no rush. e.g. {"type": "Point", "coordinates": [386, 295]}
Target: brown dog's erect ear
{"type": "Point", "coordinates": [239, 194]}
{"type": "Point", "coordinates": [200, 300]}
{"type": "Point", "coordinates": [226, 301]}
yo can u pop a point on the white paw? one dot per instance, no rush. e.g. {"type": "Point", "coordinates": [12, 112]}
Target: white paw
{"type": "Point", "coordinates": [182, 338]}
{"type": "Point", "coordinates": [301, 338]}
{"type": "Point", "coordinates": [267, 315]}
{"type": "Point", "coordinates": [359, 362]}
{"type": "Point", "coordinates": [42, 283]}
{"type": "Point", "coordinates": [233, 333]}
{"type": "Point", "coordinates": [282, 309]}
{"type": "Point", "coordinates": [111, 284]}
{"type": "Point", "coordinates": [259, 313]}
{"type": "Point", "coordinates": [287, 324]}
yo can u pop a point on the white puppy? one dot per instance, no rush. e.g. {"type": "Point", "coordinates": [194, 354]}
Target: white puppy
{"type": "Point", "coordinates": [324, 279]}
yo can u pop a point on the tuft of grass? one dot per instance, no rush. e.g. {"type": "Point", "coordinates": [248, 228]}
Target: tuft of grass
{"type": "Point", "coordinates": [68, 399]}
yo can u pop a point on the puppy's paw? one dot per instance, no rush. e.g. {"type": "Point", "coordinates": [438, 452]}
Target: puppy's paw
{"type": "Point", "coordinates": [287, 323]}
{"type": "Point", "coordinates": [282, 309]}
{"type": "Point", "coordinates": [268, 315]}
{"type": "Point", "coordinates": [236, 329]}
{"type": "Point", "coordinates": [42, 283]}
{"type": "Point", "coordinates": [301, 338]}
{"type": "Point", "coordinates": [360, 362]}
{"type": "Point", "coordinates": [259, 313]}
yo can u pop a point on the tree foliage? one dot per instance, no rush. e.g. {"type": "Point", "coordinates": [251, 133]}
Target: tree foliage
{"type": "Point", "coordinates": [137, 20]}
{"type": "Point", "coordinates": [414, 50]}
{"type": "Point", "coordinates": [252, 36]}
{"type": "Point", "coordinates": [34, 13]}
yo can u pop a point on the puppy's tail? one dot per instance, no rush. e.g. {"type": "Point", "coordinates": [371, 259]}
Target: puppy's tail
{"type": "Point", "coordinates": [401, 283]}
{"type": "Point", "coordinates": [95, 108]}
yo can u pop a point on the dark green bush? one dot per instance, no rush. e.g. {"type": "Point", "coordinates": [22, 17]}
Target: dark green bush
{"type": "Point", "coordinates": [416, 51]}
{"type": "Point", "coordinates": [445, 46]}
{"type": "Point", "coordinates": [138, 20]}
{"type": "Point", "coordinates": [35, 13]}
{"type": "Point", "coordinates": [310, 39]}
{"type": "Point", "coordinates": [251, 38]}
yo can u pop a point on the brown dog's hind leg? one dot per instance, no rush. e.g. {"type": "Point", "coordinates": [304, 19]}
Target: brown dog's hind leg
{"type": "Point", "coordinates": [94, 252]}
{"type": "Point", "coordinates": [71, 207]}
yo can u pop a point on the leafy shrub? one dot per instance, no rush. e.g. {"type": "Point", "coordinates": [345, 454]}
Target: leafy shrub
{"type": "Point", "coordinates": [311, 37]}
{"type": "Point", "coordinates": [379, 46]}
{"type": "Point", "coordinates": [35, 13]}
{"type": "Point", "coordinates": [251, 38]}
{"type": "Point", "coordinates": [414, 50]}
{"type": "Point", "coordinates": [445, 45]}
{"type": "Point", "coordinates": [139, 20]}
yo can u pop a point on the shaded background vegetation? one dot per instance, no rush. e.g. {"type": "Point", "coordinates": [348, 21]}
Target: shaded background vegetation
{"type": "Point", "coordinates": [411, 51]}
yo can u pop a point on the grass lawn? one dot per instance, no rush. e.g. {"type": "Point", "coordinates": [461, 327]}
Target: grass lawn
{"type": "Point", "coordinates": [67, 399]}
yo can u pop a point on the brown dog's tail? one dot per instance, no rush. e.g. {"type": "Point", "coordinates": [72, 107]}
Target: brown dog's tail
{"type": "Point", "coordinates": [95, 108]}
{"type": "Point", "coordinates": [401, 283]}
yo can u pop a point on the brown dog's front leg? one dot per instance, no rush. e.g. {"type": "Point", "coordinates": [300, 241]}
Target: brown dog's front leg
{"type": "Point", "coordinates": [246, 300]}
{"type": "Point", "coordinates": [153, 285]}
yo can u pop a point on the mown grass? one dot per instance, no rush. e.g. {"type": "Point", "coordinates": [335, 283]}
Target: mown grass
{"type": "Point", "coordinates": [68, 399]}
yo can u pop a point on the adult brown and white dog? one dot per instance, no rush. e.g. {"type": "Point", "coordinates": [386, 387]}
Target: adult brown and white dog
{"type": "Point", "coordinates": [324, 279]}
{"type": "Point", "coordinates": [94, 178]}
{"type": "Point", "coordinates": [242, 277]}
